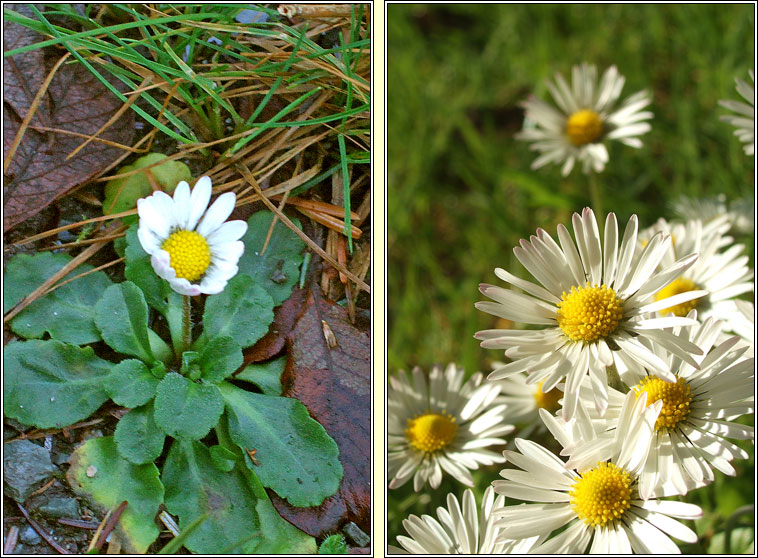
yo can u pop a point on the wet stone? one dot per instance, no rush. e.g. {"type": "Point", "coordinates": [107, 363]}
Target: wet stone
{"type": "Point", "coordinates": [29, 536]}
{"type": "Point", "coordinates": [26, 467]}
{"type": "Point", "coordinates": [356, 534]}
{"type": "Point", "coordinates": [58, 506]}
{"type": "Point", "coordinates": [60, 458]}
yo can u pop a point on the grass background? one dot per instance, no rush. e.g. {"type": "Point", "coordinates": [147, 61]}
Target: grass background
{"type": "Point", "coordinates": [461, 193]}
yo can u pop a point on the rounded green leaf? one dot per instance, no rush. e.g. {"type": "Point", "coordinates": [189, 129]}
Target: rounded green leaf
{"type": "Point", "coordinates": [121, 194]}
{"type": "Point", "coordinates": [131, 384]}
{"type": "Point", "coordinates": [121, 316]}
{"type": "Point", "coordinates": [220, 357]}
{"type": "Point", "coordinates": [296, 457]}
{"type": "Point", "coordinates": [278, 268]}
{"type": "Point", "coordinates": [67, 313]}
{"type": "Point", "coordinates": [49, 384]}
{"type": "Point", "coordinates": [241, 519]}
{"type": "Point", "coordinates": [242, 311]}
{"type": "Point", "coordinates": [267, 375]}
{"type": "Point", "coordinates": [102, 476]}
{"type": "Point", "coordinates": [222, 458]}
{"type": "Point", "coordinates": [185, 409]}
{"type": "Point", "coordinates": [137, 436]}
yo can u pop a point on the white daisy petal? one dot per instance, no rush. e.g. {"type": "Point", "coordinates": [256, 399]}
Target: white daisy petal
{"type": "Point", "coordinates": [228, 232]}
{"type": "Point", "coordinates": [587, 115]}
{"type": "Point", "coordinates": [439, 424]}
{"type": "Point", "coordinates": [217, 214]}
{"type": "Point", "coordinates": [193, 261]}
{"type": "Point", "coordinates": [201, 195]}
{"type": "Point", "coordinates": [745, 126]}
{"type": "Point", "coordinates": [182, 206]}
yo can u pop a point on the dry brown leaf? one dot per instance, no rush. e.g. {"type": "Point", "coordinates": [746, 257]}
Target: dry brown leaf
{"type": "Point", "coordinates": [75, 102]}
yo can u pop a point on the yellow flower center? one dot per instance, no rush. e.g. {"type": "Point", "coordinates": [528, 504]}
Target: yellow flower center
{"type": "Point", "coordinates": [549, 400]}
{"type": "Point", "coordinates": [431, 432]}
{"type": "Point", "coordinates": [677, 286]}
{"type": "Point", "coordinates": [589, 312]}
{"type": "Point", "coordinates": [676, 399]}
{"type": "Point", "coordinates": [190, 254]}
{"type": "Point", "coordinates": [602, 494]}
{"type": "Point", "coordinates": [583, 127]}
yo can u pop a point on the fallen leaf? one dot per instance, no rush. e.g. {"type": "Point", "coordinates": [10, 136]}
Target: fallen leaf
{"type": "Point", "coordinates": [75, 101]}
{"type": "Point", "coordinates": [335, 386]}
{"type": "Point", "coordinates": [285, 317]}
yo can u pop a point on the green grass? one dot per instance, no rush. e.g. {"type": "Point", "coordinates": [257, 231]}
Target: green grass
{"type": "Point", "coordinates": [461, 193]}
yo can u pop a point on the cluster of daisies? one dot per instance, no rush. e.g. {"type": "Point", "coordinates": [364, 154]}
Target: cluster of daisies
{"type": "Point", "coordinates": [636, 355]}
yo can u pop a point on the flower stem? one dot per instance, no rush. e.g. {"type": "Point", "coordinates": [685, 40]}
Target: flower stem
{"type": "Point", "coordinates": [187, 323]}
{"type": "Point", "coordinates": [595, 196]}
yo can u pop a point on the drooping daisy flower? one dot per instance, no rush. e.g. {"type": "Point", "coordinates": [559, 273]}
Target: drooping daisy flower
{"type": "Point", "coordinates": [739, 213]}
{"type": "Point", "coordinates": [460, 530]}
{"type": "Point", "coordinates": [722, 272]}
{"type": "Point", "coordinates": [441, 424]}
{"type": "Point", "coordinates": [524, 400]}
{"type": "Point", "coordinates": [195, 250]}
{"type": "Point", "coordinates": [695, 419]}
{"type": "Point", "coordinates": [600, 504]}
{"type": "Point", "coordinates": [593, 302]}
{"type": "Point", "coordinates": [744, 121]}
{"type": "Point", "coordinates": [586, 116]}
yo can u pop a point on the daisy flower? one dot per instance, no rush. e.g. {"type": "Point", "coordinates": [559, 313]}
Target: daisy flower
{"type": "Point", "coordinates": [695, 421]}
{"type": "Point", "coordinates": [594, 303]}
{"type": "Point", "coordinates": [739, 213]}
{"type": "Point", "coordinates": [525, 400]}
{"type": "Point", "coordinates": [195, 250]}
{"type": "Point", "coordinates": [721, 268]}
{"type": "Point", "coordinates": [460, 530]}
{"type": "Point", "coordinates": [599, 505]}
{"type": "Point", "coordinates": [586, 115]}
{"type": "Point", "coordinates": [744, 121]}
{"type": "Point", "coordinates": [744, 322]}
{"type": "Point", "coordinates": [441, 424]}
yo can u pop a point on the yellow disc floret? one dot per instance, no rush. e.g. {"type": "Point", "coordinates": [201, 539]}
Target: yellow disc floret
{"type": "Point", "coordinates": [602, 494]}
{"type": "Point", "coordinates": [589, 312]}
{"type": "Point", "coordinates": [549, 400]}
{"type": "Point", "coordinates": [431, 432]}
{"type": "Point", "coordinates": [583, 127]}
{"type": "Point", "coordinates": [190, 254]}
{"type": "Point", "coordinates": [681, 285]}
{"type": "Point", "coordinates": [676, 398]}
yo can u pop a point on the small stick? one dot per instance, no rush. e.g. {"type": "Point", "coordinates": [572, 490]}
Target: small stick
{"type": "Point", "coordinates": [36, 434]}
{"type": "Point", "coordinates": [40, 490]}
{"type": "Point", "coordinates": [42, 533]}
{"type": "Point", "coordinates": [134, 96]}
{"type": "Point", "coordinates": [109, 523]}
{"type": "Point", "coordinates": [32, 111]}
{"type": "Point", "coordinates": [169, 522]}
{"type": "Point", "coordinates": [80, 523]}
{"type": "Point", "coordinates": [321, 207]}
{"type": "Point", "coordinates": [10, 540]}
{"type": "Point", "coordinates": [314, 11]}
{"type": "Point", "coordinates": [330, 222]}
{"type": "Point", "coordinates": [81, 258]}
{"type": "Point", "coordinates": [315, 247]}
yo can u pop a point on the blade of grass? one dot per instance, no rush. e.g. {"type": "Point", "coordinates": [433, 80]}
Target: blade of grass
{"type": "Point", "coordinates": [346, 193]}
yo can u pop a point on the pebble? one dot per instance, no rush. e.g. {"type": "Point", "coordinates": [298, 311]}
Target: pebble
{"type": "Point", "coordinates": [29, 536]}
{"type": "Point", "coordinates": [59, 506]}
{"type": "Point", "coordinates": [26, 467]}
{"type": "Point", "coordinates": [356, 534]}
